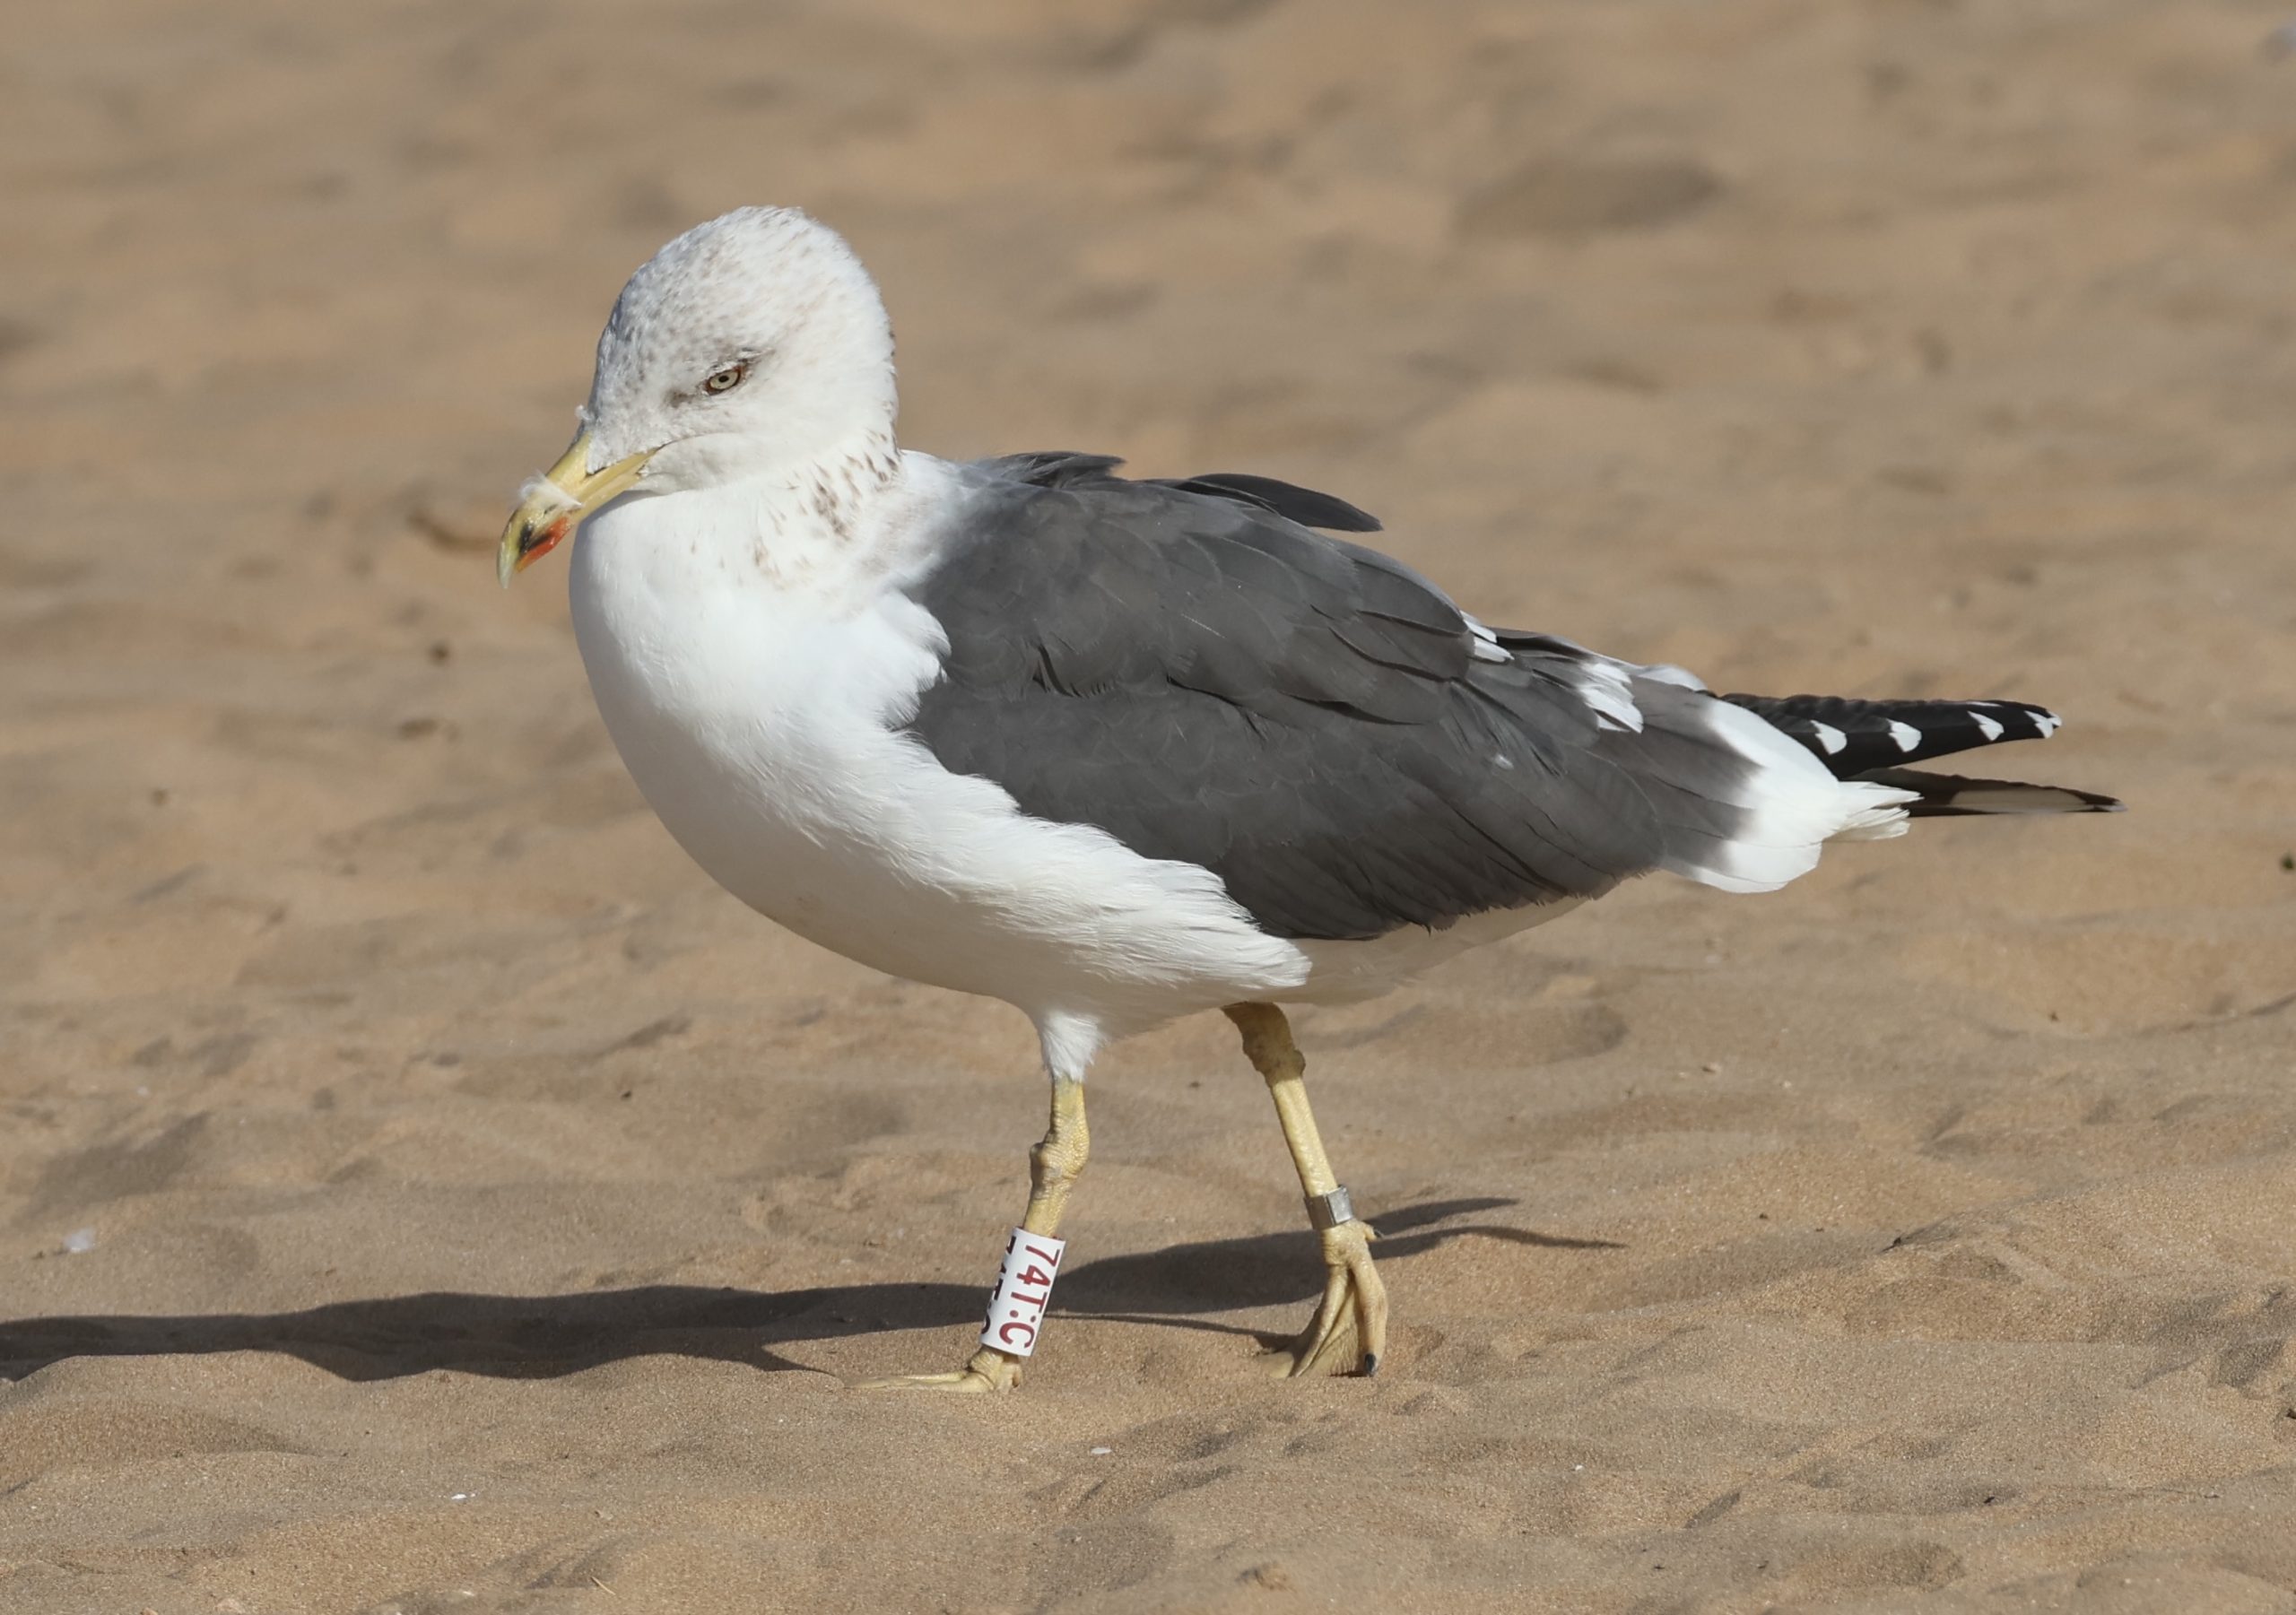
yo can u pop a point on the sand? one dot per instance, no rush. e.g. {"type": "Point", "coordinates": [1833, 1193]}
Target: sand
{"type": "Point", "coordinates": [421, 1190]}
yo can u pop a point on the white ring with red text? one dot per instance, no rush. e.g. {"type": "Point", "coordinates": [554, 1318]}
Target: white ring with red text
{"type": "Point", "coordinates": [1023, 1287]}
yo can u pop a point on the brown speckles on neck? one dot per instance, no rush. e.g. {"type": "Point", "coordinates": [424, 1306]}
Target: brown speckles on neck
{"type": "Point", "coordinates": [835, 512]}
{"type": "Point", "coordinates": [821, 511]}
{"type": "Point", "coordinates": [838, 487]}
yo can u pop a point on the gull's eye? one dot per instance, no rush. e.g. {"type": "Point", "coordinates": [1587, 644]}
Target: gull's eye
{"type": "Point", "coordinates": [725, 380]}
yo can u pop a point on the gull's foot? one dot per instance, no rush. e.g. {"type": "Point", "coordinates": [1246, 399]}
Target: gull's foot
{"type": "Point", "coordinates": [1349, 1333]}
{"type": "Point", "coordinates": [989, 1370]}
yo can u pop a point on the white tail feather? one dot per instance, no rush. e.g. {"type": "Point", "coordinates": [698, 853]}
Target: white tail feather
{"type": "Point", "coordinates": [1793, 807]}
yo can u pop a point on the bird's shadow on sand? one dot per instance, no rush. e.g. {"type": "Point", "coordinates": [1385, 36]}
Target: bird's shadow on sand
{"type": "Point", "coordinates": [546, 1336]}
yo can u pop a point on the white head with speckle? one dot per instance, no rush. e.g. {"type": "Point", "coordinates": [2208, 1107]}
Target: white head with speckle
{"type": "Point", "coordinates": [760, 326]}
{"type": "Point", "coordinates": [752, 346]}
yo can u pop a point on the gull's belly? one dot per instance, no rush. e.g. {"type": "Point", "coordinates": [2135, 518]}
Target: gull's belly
{"type": "Point", "coordinates": [765, 736]}
{"type": "Point", "coordinates": [844, 892]}
{"type": "Point", "coordinates": [775, 802]}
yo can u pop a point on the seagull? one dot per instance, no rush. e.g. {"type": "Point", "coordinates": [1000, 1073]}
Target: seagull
{"type": "Point", "coordinates": [1116, 750]}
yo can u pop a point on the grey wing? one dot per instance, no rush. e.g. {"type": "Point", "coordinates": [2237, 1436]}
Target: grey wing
{"type": "Point", "coordinates": [1205, 680]}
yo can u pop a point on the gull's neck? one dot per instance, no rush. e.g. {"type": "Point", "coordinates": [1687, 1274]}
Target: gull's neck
{"type": "Point", "coordinates": [840, 486]}
{"type": "Point", "coordinates": [843, 518]}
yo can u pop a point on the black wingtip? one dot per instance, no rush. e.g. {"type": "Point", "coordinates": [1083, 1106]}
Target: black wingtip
{"type": "Point", "coordinates": [1851, 736]}
{"type": "Point", "coordinates": [1957, 796]}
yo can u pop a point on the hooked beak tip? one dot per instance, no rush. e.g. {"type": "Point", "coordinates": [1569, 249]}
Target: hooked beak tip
{"type": "Point", "coordinates": [551, 506]}
{"type": "Point", "coordinates": [527, 539]}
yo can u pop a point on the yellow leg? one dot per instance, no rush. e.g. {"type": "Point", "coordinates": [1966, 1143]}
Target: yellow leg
{"type": "Point", "coordinates": [1054, 1166]}
{"type": "Point", "coordinates": [1350, 1329]}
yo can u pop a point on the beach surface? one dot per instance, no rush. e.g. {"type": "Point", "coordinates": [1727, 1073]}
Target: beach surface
{"type": "Point", "coordinates": [422, 1191]}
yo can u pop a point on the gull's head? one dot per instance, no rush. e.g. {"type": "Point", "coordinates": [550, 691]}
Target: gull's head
{"type": "Point", "coordinates": [755, 345]}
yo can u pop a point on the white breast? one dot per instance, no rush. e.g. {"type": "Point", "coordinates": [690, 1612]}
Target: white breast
{"type": "Point", "coordinates": [755, 676]}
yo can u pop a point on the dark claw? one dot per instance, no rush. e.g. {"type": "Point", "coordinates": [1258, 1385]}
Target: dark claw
{"type": "Point", "coordinates": [1371, 1364]}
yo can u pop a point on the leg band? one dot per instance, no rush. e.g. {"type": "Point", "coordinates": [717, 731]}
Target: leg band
{"type": "Point", "coordinates": [1330, 1209]}
{"type": "Point", "coordinates": [1023, 1286]}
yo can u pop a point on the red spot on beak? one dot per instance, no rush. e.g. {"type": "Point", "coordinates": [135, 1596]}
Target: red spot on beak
{"type": "Point", "coordinates": [543, 540]}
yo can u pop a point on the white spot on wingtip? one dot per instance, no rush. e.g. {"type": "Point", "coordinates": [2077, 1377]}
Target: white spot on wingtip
{"type": "Point", "coordinates": [1906, 735]}
{"type": "Point", "coordinates": [1501, 759]}
{"type": "Point", "coordinates": [1486, 646]}
{"type": "Point", "coordinates": [1666, 672]}
{"type": "Point", "coordinates": [1832, 739]}
{"type": "Point", "coordinates": [2047, 722]}
{"type": "Point", "coordinates": [1606, 687]}
{"type": "Point", "coordinates": [1986, 726]}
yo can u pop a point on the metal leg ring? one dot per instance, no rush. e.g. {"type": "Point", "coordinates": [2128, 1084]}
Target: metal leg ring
{"type": "Point", "coordinates": [1328, 1210]}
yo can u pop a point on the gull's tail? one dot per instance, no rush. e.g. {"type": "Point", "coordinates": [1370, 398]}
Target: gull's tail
{"type": "Point", "coordinates": [1872, 740]}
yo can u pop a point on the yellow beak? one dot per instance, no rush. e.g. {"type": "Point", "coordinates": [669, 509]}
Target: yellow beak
{"type": "Point", "coordinates": [557, 502]}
